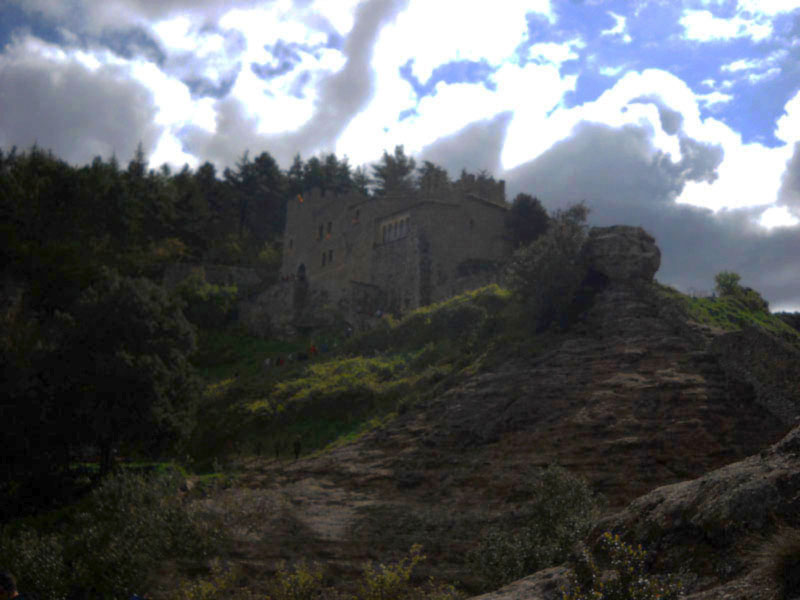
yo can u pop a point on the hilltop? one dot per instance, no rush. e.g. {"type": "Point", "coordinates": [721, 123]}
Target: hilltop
{"type": "Point", "coordinates": [453, 411]}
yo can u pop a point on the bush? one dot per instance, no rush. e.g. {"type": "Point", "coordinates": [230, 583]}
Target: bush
{"type": "Point", "coordinates": [299, 583]}
{"type": "Point", "coordinates": [206, 305]}
{"type": "Point", "coordinates": [108, 544]}
{"type": "Point", "coordinates": [546, 274]}
{"type": "Point", "coordinates": [557, 515]}
{"type": "Point", "coordinates": [727, 286]}
{"type": "Point", "coordinates": [629, 580]}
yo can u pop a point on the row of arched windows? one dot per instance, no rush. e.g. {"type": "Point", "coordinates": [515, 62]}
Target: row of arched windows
{"type": "Point", "coordinates": [396, 229]}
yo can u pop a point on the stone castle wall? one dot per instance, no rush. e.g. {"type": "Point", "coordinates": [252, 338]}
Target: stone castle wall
{"type": "Point", "coordinates": [360, 257]}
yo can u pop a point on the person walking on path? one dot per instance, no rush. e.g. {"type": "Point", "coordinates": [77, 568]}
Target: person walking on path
{"type": "Point", "coordinates": [296, 446]}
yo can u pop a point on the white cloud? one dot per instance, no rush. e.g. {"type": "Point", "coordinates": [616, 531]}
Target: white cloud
{"type": "Point", "coordinates": [703, 26]}
{"type": "Point", "coordinates": [554, 53]}
{"type": "Point", "coordinates": [741, 65]}
{"type": "Point", "coordinates": [481, 32]}
{"type": "Point", "coordinates": [768, 8]}
{"type": "Point", "coordinates": [618, 28]}
{"type": "Point", "coordinates": [777, 216]}
{"type": "Point", "coordinates": [713, 99]}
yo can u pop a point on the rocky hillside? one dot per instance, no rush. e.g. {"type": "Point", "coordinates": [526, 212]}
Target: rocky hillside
{"type": "Point", "coordinates": [677, 423]}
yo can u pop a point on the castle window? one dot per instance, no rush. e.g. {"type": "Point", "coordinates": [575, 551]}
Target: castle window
{"type": "Point", "coordinates": [330, 226]}
{"type": "Point", "coordinates": [358, 214]}
{"type": "Point", "coordinates": [291, 243]}
{"type": "Point", "coordinates": [324, 256]}
{"type": "Point", "coordinates": [330, 256]}
{"type": "Point", "coordinates": [321, 229]}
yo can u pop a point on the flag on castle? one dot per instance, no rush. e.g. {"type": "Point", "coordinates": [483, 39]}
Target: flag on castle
{"type": "Point", "coordinates": [300, 198]}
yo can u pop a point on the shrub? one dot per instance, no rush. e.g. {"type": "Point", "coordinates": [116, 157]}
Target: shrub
{"type": "Point", "coordinates": [205, 304]}
{"type": "Point", "coordinates": [546, 274]}
{"type": "Point", "coordinates": [107, 545]}
{"type": "Point", "coordinates": [299, 583]}
{"type": "Point", "coordinates": [629, 580]}
{"type": "Point", "coordinates": [557, 515]}
{"type": "Point", "coordinates": [780, 562]}
{"type": "Point", "coordinates": [220, 584]}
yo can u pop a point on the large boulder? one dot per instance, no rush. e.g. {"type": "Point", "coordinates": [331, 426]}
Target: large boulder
{"type": "Point", "coordinates": [622, 253]}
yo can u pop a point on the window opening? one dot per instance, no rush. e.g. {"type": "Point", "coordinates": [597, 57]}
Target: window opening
{"type": "Point", "coordinates": [324, 255]}
{"type": "Point", "coordinates": [291, 243]}
{"type": "Point", "coordinates": [330, 226]}
{"type": "Point", "coordinates": [319, 237]}
{"type": "Point", "coordinates": [330, 256]}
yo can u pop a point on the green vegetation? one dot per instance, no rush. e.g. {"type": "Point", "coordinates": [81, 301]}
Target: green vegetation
{"type": "Point", "coordinates": [630, 580]}
{"type": "Point", "coordinates": [731, 311]}
{"type": "Point", "coordinates": [546, 274]}
{"type": "Point", "coordinates": [108, 544]}
{"type": "Point", "coordinates": [556, 515]}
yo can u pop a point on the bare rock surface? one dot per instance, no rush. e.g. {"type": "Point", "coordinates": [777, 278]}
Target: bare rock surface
{"type": "Point", "coordinates": [623, 253]}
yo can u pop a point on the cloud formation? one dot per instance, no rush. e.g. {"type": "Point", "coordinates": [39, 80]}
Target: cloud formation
{"type": "Point", "coordinates": [74, 111]}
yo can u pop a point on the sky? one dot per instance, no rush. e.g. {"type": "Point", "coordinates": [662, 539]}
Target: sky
{"type": "Point", "coordinates": [680, 116]}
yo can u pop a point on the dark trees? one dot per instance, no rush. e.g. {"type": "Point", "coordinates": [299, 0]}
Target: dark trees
{"type": "Point", "coordinates": [526, 220]}
{"type": "Point", "coordinates": [394, 173]}
{"type": "Point", "coordinates": [120, 363]}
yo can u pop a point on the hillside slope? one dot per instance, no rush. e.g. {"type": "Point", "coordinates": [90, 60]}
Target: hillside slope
{"type": "Point", "coordinates": [634, 396]}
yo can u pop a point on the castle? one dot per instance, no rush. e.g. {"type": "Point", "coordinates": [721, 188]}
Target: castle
{"type": "Point", "coordinates": [352, 258]}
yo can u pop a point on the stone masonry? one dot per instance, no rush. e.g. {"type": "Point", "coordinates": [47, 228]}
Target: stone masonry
{"type": "Point", "coordinates": [348, 258]}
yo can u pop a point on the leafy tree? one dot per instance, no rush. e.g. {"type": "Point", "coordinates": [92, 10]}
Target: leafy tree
{"type": "Point", "coordinates": [727, 283]}
{"type": "Point", "coordinates": [394, 173]}
{"type": "Point", "coordinates": [121, 366]}
{"type": "Point", "coordinates": [546, 274]}
{"type": "Point", "coordinates": [526, 220]}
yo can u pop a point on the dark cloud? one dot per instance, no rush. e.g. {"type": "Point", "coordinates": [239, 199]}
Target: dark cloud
{"type": "Point", "coordinates": [789, 194]}
{"type": "Point", "coordinates": [476, 147]}
{"type": "Point", "coordinates": [671, 120]}
{"type": "Point", "coordinates": [133, 42]}
{"type": "Point", "coordinates": [286, 57]}
{"type": "Point", "coordinates": [624, 180]}
{"type": "Point", "coordinates": [341, 96]}
{"type": "Point", "coordinates": [75, 112]}
{"type": "Point", "coordinates": [205, 87]}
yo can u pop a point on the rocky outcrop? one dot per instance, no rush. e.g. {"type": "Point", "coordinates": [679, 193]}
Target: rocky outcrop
{"type": "Point", "coordinates": [622, 253]}
{"type": "Point", "coordinates": [715, 524]}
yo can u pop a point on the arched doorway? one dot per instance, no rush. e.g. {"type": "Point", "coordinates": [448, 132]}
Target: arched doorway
{"type": "Point", "coordinates": [301, 272]}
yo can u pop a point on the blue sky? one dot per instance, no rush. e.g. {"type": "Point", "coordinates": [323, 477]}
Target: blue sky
{"type": "Point", "coordinates": [681, 116]}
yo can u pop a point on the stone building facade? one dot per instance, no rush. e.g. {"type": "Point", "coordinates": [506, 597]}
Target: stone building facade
{"type": "Point", "coordinates": [350, 257]}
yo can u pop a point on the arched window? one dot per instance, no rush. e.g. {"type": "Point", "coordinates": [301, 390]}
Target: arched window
{"type": "Point", "coordinates": [324, 256]}
{"type": "Point", "coordinates": [321, 231]}
{"type": "Point", "coordinates": [301, 272]}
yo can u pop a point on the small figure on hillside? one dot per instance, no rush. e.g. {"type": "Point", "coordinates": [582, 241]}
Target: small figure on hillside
{"type": "Point", "coordinates": [279, 361]}
{"type": "Point", "coordinates": [267, 364]}
{"type": "Point", "coordinates": [277, 449]}
{"type": "Point", "coordinates": [296, 446]}
{"type": "Point", "coordinates": [8, 586]}
{"type": "Point", "coordinates": [312, 350]}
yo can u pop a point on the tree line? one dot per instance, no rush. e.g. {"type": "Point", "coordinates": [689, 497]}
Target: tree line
{"type": "Point", "coordinates": [94, 353]}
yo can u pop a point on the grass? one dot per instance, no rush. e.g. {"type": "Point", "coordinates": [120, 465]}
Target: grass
{"type": "Point", "coordinates": [729, 313]}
